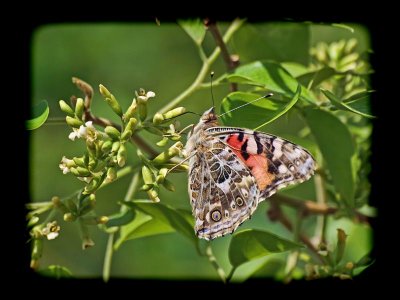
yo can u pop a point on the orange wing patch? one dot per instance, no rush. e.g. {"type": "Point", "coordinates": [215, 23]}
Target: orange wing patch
{"type": "Point", "coordinates": [258, 164]}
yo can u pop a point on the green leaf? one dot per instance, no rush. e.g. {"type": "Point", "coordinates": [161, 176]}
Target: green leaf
{"type": "Point", "coordinates": [343, 106]}
{"type": "Point", "coordinates": [250, 244]}
{"type": "Point", "coordinates": [152, 219]}
{"type": "Point", "coordinates": [271, 76]}
{"type": "Point", "coordinates": [280, 42]}
{"type": "Point", "coordinates": [271, 268]}
{"type": "Point", "coordinates": [357, 97]}
{"type": "Point", "coordinates": [142, 226]}
{"type": "Point", "coordinates": [257, 114]}
{"type": "Point", "coordinates": [195, 29]}
{"type": "Point", "coordinates": [295, 69]}
{"type": "Point", "coordinates": [121, 218]}
{"type": "Point", "coordinates": [56, 272]}
{"type": "Point", "coordinates": [337, 148]}
{"type": "Point", "coordinates": [314, 78]}
{"type": "Point", "coordinates": [40, 114]}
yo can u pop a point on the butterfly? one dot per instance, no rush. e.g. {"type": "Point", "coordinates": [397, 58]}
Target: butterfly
{"type": "Point", "coordinates": [231, 170]}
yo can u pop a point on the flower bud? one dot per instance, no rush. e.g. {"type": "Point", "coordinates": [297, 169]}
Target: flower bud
{"type": "Point", "coordinates": [69, 217]}
{"type": "Point", "coordinates": [79, 106]}
{"type": "Point", "coordinates": [174, 112]}
{"type": "Point", "coordinates": [126, 135]}
{"type": "Point", "coordinates": [104, 91]}
{"type": "Point", "coordinates": [153, 195]}
{"type": "Point", "coordinates": [73, 122]}
{"type": "Point", "coordinates": [131, 124]}
{"type": "Point", "coordinates": [112, 132]}
{"type": "Point", "coordinates": [158, 118]}
{"type": "Point", "coordinates": [130, 111]}
{"type": "Point", "coordinates": [146, 187]}
{"type": "Point", "coordinates": [111, 174]}
{"type": "Point", "coordinates": [113, 103]}
{"type": "Point", "coordinates": [169, 153]}
{"type": "Point", "coordinates": [83, 172]}
{"type": "Point", "coordinates": [122, 155]}
{"type": "Point", "coordinates": [163, 142]}
{"type": "Point", "coordinates": [79, 161]}
{"type": "Point", "coordinates": [66, 108]}
{"type": "Point", "coordinates": [147, 175]}
{"type": "Point", "coordinates": [106, 147]}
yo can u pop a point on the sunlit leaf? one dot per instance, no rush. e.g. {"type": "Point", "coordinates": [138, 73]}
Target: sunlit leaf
{"type": "Point", "coordinates": [40, 114]}
{"type": "Point", "coordinates": [251, 244]}
{"type": "Point", "coordinates": [295, 69]}
{"type": "Point", "coordinates": [143, 225]}
{"type": "Point", "coordinates": [256, 114]}
{"type": "Point", "coordinates": [194, 28]}
{"type": "Point", "coordinates": [337, 148]}
{"type": "Point", "coordinates": [270, 76]}
{"type": "Point", "coordinates": [56, 272]}
{"type": "Point", "coordinates": [343, 106]}
{"type": "Point", "coordinates": [153, 219]}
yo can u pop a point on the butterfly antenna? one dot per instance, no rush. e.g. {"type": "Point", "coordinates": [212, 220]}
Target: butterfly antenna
{"type": "Point", "coordinates": [212, 94]}
{"type": "Point", "coordinates": [240, 106]}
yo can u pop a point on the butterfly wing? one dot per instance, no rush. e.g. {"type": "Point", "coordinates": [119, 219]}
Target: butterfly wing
{"type": "Point", "coordinates": [222, 190]}
{"type": "Point", "coordinates": [274, 162]}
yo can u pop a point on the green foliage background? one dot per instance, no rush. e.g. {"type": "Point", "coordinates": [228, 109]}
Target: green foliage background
{"type": "Point", "coordinates": [163, 59]}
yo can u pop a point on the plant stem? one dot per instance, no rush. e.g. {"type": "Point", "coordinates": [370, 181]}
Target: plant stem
{"type": "Point", "coordinates": [231, 61]}
{"type": "Point", "coordinates": [321, 219]}
{"type": "Point", "coordinates": [215, 264]}
{"type": "Point", "coordinates": [108, 257]}
{"type": "Point", "coordinates": [293, 257]}
{"type": "Point", "coordinates": [205, 69]}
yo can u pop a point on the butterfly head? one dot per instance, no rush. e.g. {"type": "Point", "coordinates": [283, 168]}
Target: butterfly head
{"type": "Point", "coordinates": [209, 116]}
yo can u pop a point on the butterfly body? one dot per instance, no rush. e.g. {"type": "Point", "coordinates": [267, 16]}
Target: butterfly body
{"type": "Point", "coordinates": [231, 170]}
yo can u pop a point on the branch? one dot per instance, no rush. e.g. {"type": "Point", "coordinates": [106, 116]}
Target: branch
{"type": "Point", "coordinates": [88, 116]}
{"type": "Point", "coordinates": [275, 214]}
{"type": "Point", "coordinates": [205, 69]}
{"type": "Point", "coordinates": [312, 207]}
{"type": "Point", "coordinates": [231, 61]}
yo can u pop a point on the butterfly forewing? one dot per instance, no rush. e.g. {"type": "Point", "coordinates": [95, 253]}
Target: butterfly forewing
{"type": "Point", "coordinates": [273, 161]}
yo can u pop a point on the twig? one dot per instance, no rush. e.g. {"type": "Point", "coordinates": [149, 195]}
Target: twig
{"type": "Point", "coordinates": [108, 257]}
{"type": "Point", "coordinates": [320, 227]}
{"type": "Point", "coordinates": [205, 69]}
{"type": "Point", "coordinates": [275, 214]}
{"type": "Point", "coordinates": [231, 61]}
{"type": "Point", "coordinates": [88, 116]}
{"type": "Point", "coordinates": [215, 264]}
{"type": "Point", "coordinates": [312, 207]}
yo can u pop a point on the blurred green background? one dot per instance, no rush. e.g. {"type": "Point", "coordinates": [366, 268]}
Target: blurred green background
{"type": "Point", "coordinates": [163, 59]}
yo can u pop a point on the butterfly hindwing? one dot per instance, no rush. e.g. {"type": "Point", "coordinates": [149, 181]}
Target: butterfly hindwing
{"type": "Point", "coordinates": [274, 162]}
{"type": "Point", "coordinates": [223, 191]}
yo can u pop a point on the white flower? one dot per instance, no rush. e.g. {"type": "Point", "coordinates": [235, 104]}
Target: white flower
{"type": "Point", "coordinates": [87, 132]}
{"type": "Point", "coordinates": [150, 94]}
{"type": "Point", "coordinates": [146, 96]}
{"type": "Point", "coordinates": [51, 231]}
{"type": "Point", "coordinates": [66, 165]}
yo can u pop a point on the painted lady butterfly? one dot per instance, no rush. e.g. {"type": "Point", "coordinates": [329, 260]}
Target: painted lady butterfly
{"type": "Point", "coordinates": [231, 170]}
